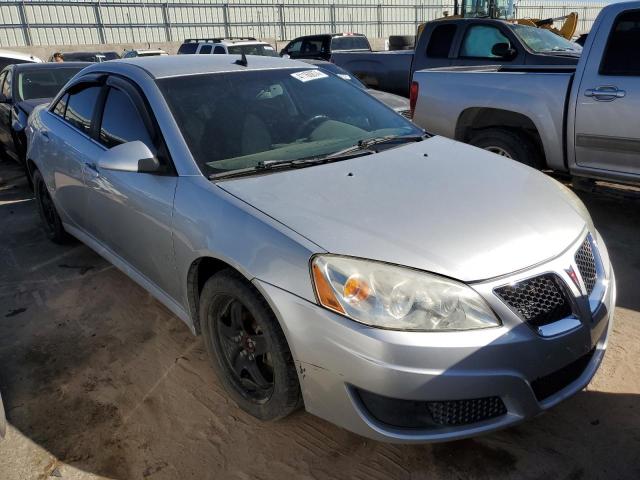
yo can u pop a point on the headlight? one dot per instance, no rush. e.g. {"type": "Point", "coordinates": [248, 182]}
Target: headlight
{"type": "Point", "coordinates": [393, 297]}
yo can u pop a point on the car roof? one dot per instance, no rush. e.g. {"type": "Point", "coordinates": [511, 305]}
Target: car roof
{"type": "Point", "coordinates": [19, 55]}
{"type": "Point", "coordinates": [180, 65]}
{"type": "Point", "coordinates": [333, 35]}
{"type": "Point", "coordinates": [49, 65]}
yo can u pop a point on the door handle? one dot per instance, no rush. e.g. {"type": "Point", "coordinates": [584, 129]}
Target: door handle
{"type": "Point", "coordinates": [605, 93]}
{"type": "Point", "coordinates": [91, 169]}
{"type": "Point", "coordinates": [45, 135]}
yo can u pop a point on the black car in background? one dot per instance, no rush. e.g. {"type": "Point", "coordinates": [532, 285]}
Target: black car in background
{"type": "Point", "coordinates": [22, 87]}
{"type": "Point", "coordinates": [320, 47]}
{"type": "Point", "coordinates": [93, 57]}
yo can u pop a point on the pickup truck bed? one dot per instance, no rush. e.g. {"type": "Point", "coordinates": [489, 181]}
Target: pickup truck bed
{"type": "Point", "coordinates": [533, 91]}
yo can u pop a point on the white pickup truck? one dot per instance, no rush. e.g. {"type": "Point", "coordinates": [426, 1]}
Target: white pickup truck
{"type": "Point", "coordinates": [583, 120]}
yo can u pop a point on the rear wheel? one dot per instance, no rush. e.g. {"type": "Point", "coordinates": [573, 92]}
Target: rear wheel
{"type": "Point", "coordinates": [509, 144]}
{"type": "Point", "coordinates": [51, 222]}
{"type": "Point", "coordinates": [247, 347]}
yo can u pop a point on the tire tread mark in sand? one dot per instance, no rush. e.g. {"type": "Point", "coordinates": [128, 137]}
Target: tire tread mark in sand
{"type": "Point", "coordinates": [316, 427]}
{"type": "Point", "coordinates": [82, 269]}
{"type": "Point", "coordinates": [386, 459]}
{"type": "Point", "coordinates": [311, 440]}
{"type": "Point", "coordinates": [15, 311]}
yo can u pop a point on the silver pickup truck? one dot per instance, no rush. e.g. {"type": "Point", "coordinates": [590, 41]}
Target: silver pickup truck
{"type": "Point", "coordinates": [583, 120]}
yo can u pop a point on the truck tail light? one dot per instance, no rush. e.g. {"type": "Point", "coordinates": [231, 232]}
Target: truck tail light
{"type": "Point", "coordinates": [413, 97]}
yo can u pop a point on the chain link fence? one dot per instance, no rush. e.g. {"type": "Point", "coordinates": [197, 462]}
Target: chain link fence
{"type": "Point", "coordinates": [78, 22]}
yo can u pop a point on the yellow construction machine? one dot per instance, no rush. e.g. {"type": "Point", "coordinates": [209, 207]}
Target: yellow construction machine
{"type": "Point", "coordinates": [505, 10]}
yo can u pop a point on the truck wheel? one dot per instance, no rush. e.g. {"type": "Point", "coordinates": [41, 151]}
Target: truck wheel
{"type": "Point", "coordinates": [247, 347]}
{"type": "Point", "coordinates": [507, 143]}
{"type": "Point", "coordinates": [48, 214]}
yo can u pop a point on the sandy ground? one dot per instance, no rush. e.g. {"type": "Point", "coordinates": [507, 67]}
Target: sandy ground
{"type": "Point", "coordinates": [100, 380]}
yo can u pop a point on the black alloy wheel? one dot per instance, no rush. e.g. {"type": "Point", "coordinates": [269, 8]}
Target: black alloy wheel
{"type": "Point", "coordinates": [245, 350]}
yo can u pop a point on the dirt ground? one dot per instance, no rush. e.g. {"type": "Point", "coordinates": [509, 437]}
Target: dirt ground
{"type": "Point", "coordinates": [100, 380]}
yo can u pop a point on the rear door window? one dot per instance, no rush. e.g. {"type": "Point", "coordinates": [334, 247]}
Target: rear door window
{"type": "Point", "coordinates": [205, 49]}
{"type": "Point", "coordinates": [479, 41]}
{"type": "Point", "coordinates": [6, 86]}
{"type": "Point", "coordinates": [621, 55]}
{"type": "Point", "coordinates": [441, 39]}
{"type": "Point", "coordinates": [312, 46]}
{"type": "Point", "coordinates": [219, 50]}
{"type": "Point", "coordinates": [80, 108]}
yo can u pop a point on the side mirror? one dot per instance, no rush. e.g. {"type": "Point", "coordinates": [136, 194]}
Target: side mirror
{"type": "Point", "coordinates": [130, 157]}
{"type": "Point", "coordinates": [503, 50]}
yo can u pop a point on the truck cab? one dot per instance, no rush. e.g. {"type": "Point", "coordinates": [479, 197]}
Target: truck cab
{"type": "Point", "coordinates": [321, 47]}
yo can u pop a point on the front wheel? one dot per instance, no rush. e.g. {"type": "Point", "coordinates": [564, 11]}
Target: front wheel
{"type": "Point", "coordinates": [247, 347]}
{"type": "Point", "coordinates": [509, 144]}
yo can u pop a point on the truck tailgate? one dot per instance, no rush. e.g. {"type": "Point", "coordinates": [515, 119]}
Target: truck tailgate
{"type": "Point", "coordinates": [388, 70]}
{"type": "Point", "coordinates": [447, 96]}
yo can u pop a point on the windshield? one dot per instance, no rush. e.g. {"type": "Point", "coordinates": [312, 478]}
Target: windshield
{"type": "Point", "coordinates": [341, 72]}
{"type": "Point", "coordinates": [264, 50]}
{"type": "Point", "coordinates": [239, 120]}
{"type": "Point", "coordinates": [543, 41]}
{"type": "Point", "coordinates": [45, 83]}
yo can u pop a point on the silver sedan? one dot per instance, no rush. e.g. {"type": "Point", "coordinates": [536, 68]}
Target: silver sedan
{"type": "Point", "coordinates": [406, 287]}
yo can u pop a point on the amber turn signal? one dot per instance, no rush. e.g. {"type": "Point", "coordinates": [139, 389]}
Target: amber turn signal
{"type": "Point", "coordinates": [326, 297]}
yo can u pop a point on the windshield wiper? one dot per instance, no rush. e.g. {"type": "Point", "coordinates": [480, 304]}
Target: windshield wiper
{"type": "Point", "coordinates": [363, 147]}
{"type": "Point", "coordinates": [264, 165]}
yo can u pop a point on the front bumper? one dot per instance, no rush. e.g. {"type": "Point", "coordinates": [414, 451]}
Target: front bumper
{"type": "Point", "coordinates": [336, 358]}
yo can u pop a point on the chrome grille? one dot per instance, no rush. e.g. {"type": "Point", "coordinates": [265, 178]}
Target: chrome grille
{"type": "Point", "coordinates": [539, 300]}
{"type": "Point", "coordinates": [587, 265]}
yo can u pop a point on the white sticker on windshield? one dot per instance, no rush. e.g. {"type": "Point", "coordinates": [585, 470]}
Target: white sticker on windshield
{"type": "Point", "coordinates": [344, 77]}
{"type": "Point", "coordinates": [309, 75]}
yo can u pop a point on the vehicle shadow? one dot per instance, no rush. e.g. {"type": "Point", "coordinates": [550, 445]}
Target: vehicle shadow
{"type": "Point", "coordinates": [100, 376]}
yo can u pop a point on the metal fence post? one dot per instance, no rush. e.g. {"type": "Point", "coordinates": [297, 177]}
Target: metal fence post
{"type": "Point", "coordinates": [379, 18]}
{"type": "Point", "coordinates": [332, 17]}
{"type": "Point", "coordinates": [167, 22]}
{"type": "Point", "coordinates": [98, 14]}
{"type": "Point", "coordinates": [26, 31]}
{"type": "Point", "coordinates": [281, 21]}
{"type": "Point", "coordinates": [225, 16]}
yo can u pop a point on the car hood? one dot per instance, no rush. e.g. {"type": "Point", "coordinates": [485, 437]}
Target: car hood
{"type": "Point", "coordinates": [437, 205]}
{"type": "Point", "coordinates": [28, 105]}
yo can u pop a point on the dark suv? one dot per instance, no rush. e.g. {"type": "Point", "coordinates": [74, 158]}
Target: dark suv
{"type": "Point", "coordinates": [322, 46]}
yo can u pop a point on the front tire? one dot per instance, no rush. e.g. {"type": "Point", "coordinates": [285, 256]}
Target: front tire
{"type": "Point", "coordinates": [247, 347]}
{"type": "Point", "coordinates": [507, 143]}
{"type": "Point", "coordinates": [51, 222]}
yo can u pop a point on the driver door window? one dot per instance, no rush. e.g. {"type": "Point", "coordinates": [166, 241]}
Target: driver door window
{"type": "Point", "coordinates": [121, 122]}
{"type": "Point", "coordinates": [479, 41]}
{"type": "Point", "coordinates": [294, 48]}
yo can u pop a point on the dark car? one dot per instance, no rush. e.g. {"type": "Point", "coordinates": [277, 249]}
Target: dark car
{"type": "Point", "coordinates": [22, 87]}
{"type": "Point", "coordinates": [396, 102]}
{"type": "Point", "coordinates": [322, 46]}
{"type": "Point", "coordinates": [93, 57]}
